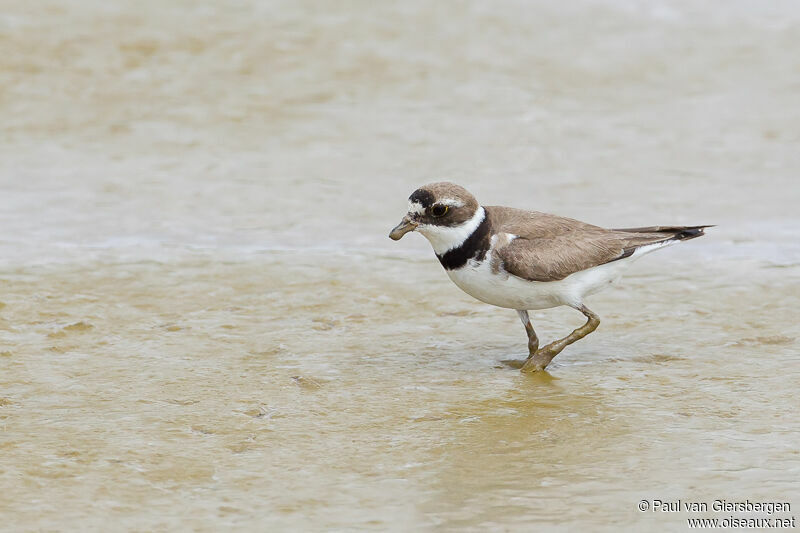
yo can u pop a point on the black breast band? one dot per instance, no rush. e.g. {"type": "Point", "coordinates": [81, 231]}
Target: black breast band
{"type": "Point", "coordinates": [474, 247]}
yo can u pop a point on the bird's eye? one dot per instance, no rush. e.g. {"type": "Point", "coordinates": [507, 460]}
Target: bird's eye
{"type": "Point", "coordinates": [439, 210]}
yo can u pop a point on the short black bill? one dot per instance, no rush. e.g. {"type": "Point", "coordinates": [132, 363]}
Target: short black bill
{"type": "Point", "coordinates": [402, 228]}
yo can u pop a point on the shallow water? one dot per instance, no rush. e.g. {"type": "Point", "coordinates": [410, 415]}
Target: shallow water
{"type": "Point", "coordinates": [203, 324]}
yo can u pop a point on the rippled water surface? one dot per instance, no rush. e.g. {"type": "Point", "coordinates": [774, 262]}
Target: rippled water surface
{"type": "Point", "coordinates": [204, 326]}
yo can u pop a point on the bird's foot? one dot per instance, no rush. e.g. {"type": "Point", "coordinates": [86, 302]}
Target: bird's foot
{"type": "Point", "coordinates": [539, 360]}
{"type": "Point", "coordinates": [536, 361]}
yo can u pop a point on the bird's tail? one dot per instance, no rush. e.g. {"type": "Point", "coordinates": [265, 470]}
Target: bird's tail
{"type": "Point", "coordinates": [670, 233]}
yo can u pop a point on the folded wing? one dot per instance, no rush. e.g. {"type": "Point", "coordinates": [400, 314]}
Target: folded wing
{"type": "Point", "coordinates": [550, 248]}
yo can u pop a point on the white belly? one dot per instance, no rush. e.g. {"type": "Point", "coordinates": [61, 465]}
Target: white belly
{"type": "Point", "coordinates": [504, 290]}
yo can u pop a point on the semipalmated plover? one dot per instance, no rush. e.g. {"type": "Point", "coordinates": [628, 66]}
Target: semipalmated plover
{"type": "Point", "coordinates": [526, 260]}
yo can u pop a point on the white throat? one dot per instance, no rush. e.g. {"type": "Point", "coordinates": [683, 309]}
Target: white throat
{"type": "Point", "coordinates": [444, 238]}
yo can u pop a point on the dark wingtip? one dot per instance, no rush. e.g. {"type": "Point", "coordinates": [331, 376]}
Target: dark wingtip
{"type": "Point", "coordinates": [692, 232]}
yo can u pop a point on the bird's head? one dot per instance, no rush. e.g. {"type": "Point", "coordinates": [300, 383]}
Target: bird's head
{"type": "Point", "coordinates": [442, 212]}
